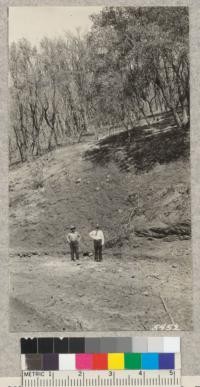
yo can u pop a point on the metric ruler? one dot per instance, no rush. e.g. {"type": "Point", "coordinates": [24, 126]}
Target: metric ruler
{"type": "Point", "coordinates": [101, 378]}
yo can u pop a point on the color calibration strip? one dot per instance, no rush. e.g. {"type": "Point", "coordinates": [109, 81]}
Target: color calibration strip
{"type": "Point", "coordinates": [91, 345]}
{"type": "Point", "coordinates": [105, 353]}
{"type": "Point", "coordinates": [103, 361]}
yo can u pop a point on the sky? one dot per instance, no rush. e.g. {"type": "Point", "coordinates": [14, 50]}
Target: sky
{"type": "Point", "coordinates": [33, 23]}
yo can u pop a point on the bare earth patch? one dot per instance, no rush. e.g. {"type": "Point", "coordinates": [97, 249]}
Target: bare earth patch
{"type": "Point", "coordinates": [145, 279]}
{"type": "Point", "coordinates": [53, 294]}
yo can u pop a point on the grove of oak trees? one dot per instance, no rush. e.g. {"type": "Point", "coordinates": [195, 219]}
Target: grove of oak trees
{"type": "Point", "coordinates": [133, 63]}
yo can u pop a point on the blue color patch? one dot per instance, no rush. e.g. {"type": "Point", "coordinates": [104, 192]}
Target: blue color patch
{"type": "Point", "coordinates": [150, 361]}
{"type": "Point", "coordinates": [166, 361]}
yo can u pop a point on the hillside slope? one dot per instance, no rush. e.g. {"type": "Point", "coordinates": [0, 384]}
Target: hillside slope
{"type": "Point", "coordinates": [86, 183]}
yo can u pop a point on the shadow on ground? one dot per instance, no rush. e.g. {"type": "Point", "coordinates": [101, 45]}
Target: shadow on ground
{"type": "Point", "coordinates": [143, 147]}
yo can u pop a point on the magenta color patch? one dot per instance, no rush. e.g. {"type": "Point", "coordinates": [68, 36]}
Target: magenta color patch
{"type": "Point", "coordinates": [84, 361]}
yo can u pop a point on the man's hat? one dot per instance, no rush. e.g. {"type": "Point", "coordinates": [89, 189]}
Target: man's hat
{"type": "Point", "coordinates": [72, 228]}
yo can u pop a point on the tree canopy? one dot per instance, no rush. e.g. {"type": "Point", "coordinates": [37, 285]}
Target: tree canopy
{"type": "Point", "coordinates": [133, 63]}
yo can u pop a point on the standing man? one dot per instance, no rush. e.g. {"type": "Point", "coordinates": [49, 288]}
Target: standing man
{"type": "Point", "coordinates": [73, 238]}
{"type": "Point", "coordinates": [98, 238]}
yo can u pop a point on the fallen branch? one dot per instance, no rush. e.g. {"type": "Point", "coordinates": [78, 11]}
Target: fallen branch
{"type": "Point", "coordinates": [167, 311]}
{"type": "Point", "coordinates": [153, 276]}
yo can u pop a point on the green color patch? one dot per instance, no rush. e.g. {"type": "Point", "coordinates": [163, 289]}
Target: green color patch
{"type": "Point", "coordinates": [132, 361]}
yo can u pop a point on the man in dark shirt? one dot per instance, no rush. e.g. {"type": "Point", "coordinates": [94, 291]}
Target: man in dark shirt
{"type": "Point", "coordinates": [73, 238]}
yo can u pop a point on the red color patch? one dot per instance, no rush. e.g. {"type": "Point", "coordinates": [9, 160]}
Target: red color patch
{"type": "Point", "coordinates": [100, 361]}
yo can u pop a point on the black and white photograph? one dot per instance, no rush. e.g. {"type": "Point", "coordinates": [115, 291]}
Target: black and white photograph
{"type": "Point", "coordinates": [99, 169]}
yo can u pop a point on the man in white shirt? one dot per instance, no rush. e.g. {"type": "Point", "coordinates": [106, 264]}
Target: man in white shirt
{"type": "Point", "coordinates": [98, 238]}
{"type": "Point", "coordinates": [73, 238]}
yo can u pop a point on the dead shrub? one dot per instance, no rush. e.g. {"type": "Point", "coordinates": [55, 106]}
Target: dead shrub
{"type": "Point", "coordinates": [37, 173]}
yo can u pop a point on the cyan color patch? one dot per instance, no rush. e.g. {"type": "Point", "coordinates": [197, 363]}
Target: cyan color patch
{"type": "Point", "coordinates": [150, 361]}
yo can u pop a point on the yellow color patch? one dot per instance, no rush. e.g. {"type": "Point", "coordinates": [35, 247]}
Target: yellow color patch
{"type": "Point", "coordinates": [115, 361]}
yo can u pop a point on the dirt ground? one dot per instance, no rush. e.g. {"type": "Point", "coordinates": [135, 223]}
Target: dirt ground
{"type": "Point", "coordinates": [145, 292]}
{"type": "Point", "coordinates": [143, 283]}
